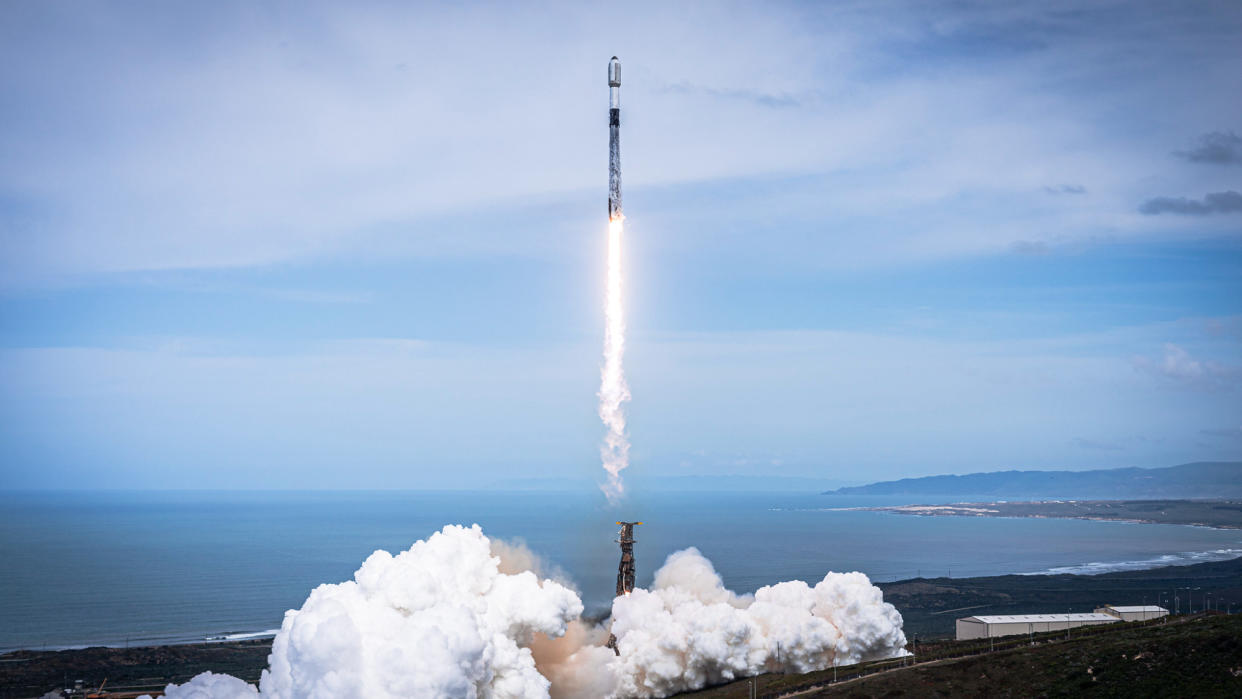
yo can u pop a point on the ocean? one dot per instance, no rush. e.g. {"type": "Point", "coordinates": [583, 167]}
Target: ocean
{"type": "Point", "coordinates": [150, 567]}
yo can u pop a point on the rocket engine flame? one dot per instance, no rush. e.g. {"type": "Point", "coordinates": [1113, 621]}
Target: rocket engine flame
{"type": "Point", "coordinates": [613, 391]}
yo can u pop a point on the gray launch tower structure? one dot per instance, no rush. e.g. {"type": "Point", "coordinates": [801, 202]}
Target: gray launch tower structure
{"type": "Point", "coordinates": [625, 571]}
{"type": "Point", "coordinates": [614, 139]}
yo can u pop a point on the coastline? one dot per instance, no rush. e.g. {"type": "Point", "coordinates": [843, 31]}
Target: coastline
{"type": "Point", "coordinates": [1208, 514]}
{"type": "Point", "coordinates": [929, 607]}
{"type": "Point", "coordinates": [1174, 563]}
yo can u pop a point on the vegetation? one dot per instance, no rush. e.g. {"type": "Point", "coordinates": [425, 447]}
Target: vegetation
{"type": "Point", "coordinates": [929, 606]}
{"type": "Point", "coordinates": [1199, 657]}
{"type": "Point", "coordinates": [30, 673]}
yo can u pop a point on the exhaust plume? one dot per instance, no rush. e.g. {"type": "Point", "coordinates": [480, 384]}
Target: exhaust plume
{"type": "Point", "coordinates": [689, 631]}
{"type": "Point", "coordinates": [460, 615]}
{"type": "Point", "coordinates": [613, 391]}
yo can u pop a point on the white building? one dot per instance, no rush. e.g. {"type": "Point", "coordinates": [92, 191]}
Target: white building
{"type": "Point", "coordinates": [991, 626]}
{"type": "Point", "coordinates": [1142, 613]}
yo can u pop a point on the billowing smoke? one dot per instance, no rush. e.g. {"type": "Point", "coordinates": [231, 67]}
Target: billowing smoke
{"type": "Point", "coordinates": [459, 615]}
{"type": "Point", "coordinates": [613, 391]}
{"type": "Point", "coordinates": [209, 685]}
{"type": "Point", "coordinates": [688, 631]}
{"type": "Point", "coordinates": [438, 620]}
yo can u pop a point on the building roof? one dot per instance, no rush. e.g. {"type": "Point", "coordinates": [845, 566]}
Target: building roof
{"type": "Point", "coordinates": [1037, 618]}
{"type": "Point", "coordinates": [1148, 608]}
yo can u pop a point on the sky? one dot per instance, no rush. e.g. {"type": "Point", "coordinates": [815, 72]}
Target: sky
{"type": "Point", "coordinates": [361, 245]}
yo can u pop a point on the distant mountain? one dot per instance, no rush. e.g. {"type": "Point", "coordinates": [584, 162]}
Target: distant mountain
{"type": "Point", "coordinates": [1217, 479]}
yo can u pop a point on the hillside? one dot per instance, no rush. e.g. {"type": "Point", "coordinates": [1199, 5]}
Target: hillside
{"type": "Point", "coordinates": [1190, 658]}
{"type": "Point", "coordinates": [1218, 514]}
{"type": "Point", "coordinates": [929, 606]}
{"type": "Point", "coordinates": [1218, 479]}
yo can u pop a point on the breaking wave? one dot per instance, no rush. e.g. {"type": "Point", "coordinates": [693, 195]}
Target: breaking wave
{"type": "Point", "coordinates": [1170, 559]}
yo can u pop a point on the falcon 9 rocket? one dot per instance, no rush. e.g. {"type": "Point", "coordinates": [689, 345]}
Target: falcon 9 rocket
{"type": "Point", "coordinates": [614, 139]}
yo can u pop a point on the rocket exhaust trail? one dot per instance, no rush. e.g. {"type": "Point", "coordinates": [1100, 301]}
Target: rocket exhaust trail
{"type": "Point", "coordinates": [613, 392]}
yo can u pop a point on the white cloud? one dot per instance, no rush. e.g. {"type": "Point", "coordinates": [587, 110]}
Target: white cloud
{"type": "Point", "coordinates": [192, 137]}
{"type": "Point", "coordinates": [1179, 366]}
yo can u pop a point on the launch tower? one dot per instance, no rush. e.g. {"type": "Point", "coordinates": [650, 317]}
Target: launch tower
{"type": "Point", "coordinates": [625, 571]}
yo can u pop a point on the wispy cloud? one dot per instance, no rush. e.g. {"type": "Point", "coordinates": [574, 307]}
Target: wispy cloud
{"type": "Point", "coordinates": [1217, 147]}
{"type": "Point", "coordinates": [1066, 189]}
{"type": "Point", "coordinates": [1096, 445]}
{"type": "Point", "coordinates": [1233, 434]}
{"type": "Point", "coordinates": [218, 136]}
{"type": "Point", "coordinates": [398, 411]}
{"type": "Point", "coordinates": [1229, 202]}
{"type": "Point", "coordinates": [759, 97]}
{"type": "Point", "coordinates": [1178, 365]}
{"type": "Point", "coordinates": [1031, 247]}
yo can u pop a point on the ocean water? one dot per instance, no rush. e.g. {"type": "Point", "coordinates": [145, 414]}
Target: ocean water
{"type": "Point", "coordinates": [89, 568]}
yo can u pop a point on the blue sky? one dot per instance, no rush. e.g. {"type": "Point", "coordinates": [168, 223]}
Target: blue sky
{"type": "Point", "coordinates": [311, 245]}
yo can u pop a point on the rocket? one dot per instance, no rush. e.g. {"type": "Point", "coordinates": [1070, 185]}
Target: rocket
{"type": "Point", "coordinates": [614, 139]}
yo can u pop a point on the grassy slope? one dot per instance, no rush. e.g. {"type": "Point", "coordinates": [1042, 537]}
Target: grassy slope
{"type": "Point", "coordinates": [31, 673]}
{"type": "Point", "coordinates": [930, 606]}
{"type": "Point", "coordinates": [1200, 658]}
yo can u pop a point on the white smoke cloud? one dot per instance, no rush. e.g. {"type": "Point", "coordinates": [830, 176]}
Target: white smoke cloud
{"type": "Point", "coordinates": [437, 620]}
{"type": "Point", "coordinates": [688, 631]}
{"type": "Point", "coordinates": [459, 615]}
{"type": "Point", "coordinates": [209, 685]}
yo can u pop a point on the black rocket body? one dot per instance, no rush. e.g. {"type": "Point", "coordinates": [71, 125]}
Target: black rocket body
{"type": "Point", "coordinates": [614, 139]}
